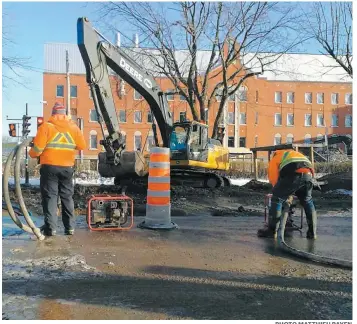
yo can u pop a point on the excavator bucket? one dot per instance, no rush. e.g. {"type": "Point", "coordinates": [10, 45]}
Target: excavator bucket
{"type": "Point", "coordinates": [132, 164]}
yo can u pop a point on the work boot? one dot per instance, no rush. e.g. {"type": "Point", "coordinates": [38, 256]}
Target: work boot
{"type": "Point", "coordinates": [69, 232]}
{"type": "Point", "coordinates": [46, 231]}
{"type": "Point", "coordinates": [266, 232]}
{"type": "Point", "coordinates": [311, 219]}
{"type": "Point", "coordinates": [273, 221]}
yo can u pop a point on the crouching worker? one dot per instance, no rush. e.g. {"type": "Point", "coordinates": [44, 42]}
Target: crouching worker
{"type": "Point", "coordinates": [55, 144]}
{"type": "Point", "coordinates": [290, 173]}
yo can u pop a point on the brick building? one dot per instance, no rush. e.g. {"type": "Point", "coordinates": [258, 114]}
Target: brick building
{"type": "Point", "coordinates": [297, 99]}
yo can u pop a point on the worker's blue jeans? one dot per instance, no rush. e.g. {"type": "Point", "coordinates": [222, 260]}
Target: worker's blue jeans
{"type": "Point", "coordinates": [300, 185]}
{"type": "Point", "coordinates": [57, 181]}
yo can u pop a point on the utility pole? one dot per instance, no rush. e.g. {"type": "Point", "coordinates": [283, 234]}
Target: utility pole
{"type": "Point", "coordinates": [25, 132]}
{"type": "Point", "coordinates": [68, 86]}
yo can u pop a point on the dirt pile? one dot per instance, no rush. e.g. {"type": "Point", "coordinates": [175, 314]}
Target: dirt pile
{"type": "Point", "coordinates": [339, 180]}
{"type": "Point", "coordinates": [185, 200]}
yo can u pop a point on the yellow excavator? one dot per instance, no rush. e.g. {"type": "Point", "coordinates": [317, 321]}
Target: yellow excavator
{"type": "Point", "coordinates": [194, 156]}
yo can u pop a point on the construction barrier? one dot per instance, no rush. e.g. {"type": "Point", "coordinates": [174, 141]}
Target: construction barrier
{"type": "Point", "coordinates": [158, 204]}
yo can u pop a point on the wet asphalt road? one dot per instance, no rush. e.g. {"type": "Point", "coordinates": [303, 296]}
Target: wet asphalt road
{"type": "Point", "coordinates": [210, 268]}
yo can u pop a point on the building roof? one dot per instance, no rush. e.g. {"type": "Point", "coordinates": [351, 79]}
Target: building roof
{"type": "Point", "coordinates": [288, 67]}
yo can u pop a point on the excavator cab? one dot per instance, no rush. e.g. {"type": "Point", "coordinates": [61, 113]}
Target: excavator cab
{"type": "Point", "coordinates": [189, 141]}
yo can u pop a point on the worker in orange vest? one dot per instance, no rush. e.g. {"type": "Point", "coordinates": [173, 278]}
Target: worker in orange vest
{"type": "Point", "coordinates": [55, 144]}
{"type": "Point", "coordinates": [290, 173]}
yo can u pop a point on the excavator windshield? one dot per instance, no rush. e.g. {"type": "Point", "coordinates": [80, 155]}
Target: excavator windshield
{"type": "Point", "coordinates": [178, 137]}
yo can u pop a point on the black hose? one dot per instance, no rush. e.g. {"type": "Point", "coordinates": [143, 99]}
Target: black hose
{"type": "Point", "coordinates": [302, 254]}
{"type": "Point", "coordinates": [23, 208]}
{"type": "Point", "coordinates": [5, 188]}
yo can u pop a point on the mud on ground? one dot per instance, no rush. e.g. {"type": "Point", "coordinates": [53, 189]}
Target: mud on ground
{"type": "Point", "coordinates": [234, 201]}
{"type": "Point", "coordinates": [210, 268]}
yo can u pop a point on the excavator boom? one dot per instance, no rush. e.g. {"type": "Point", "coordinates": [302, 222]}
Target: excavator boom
{"type": "Point", "coordinates": [192, 152]}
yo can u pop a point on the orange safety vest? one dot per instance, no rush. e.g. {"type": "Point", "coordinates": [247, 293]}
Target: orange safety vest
{"type": "Point", "coordinates": [281, 159]}
{"type": "Point", "coordinates": [56, 142]}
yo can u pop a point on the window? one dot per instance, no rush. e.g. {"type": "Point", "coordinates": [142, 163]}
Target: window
{"type": "Point", "coordinates": [256, 96]}
{"type": "Point", "coordinates": [122, 116]}
{"type": "Point", "coordinates": [334, 120]}
{"type": "Point", "coordinates": [170, 97]}
{"type": "Point", "coordinates": [230, 118]}
{"type": "Point", "coordinates": [290, 119]}
{"type": "Point", "coordinates": [149, 117]}
{"type": "Point", "coordinates": [308, 120]}
{"type": "Point", "coordinates": [320, 120]}
{"type": "Point", "coordinates": [243, 119]}
{"type": "Point", "coordinates": [93, 140]}
{"type": "Point", "coordinates": [137, 117]}
{"type": "Point", "coordinates": [290, 97]}
{"type": "Point", "coordinates": [277, 139]}
{"type": "Point", "coordinates": [242, 94]}
{"type": "Point", "coordinates": [137, 95]}
{"type": "Point", "coordinates": [278, 96]}
{"type": "Point", "coordinates": [308, 97]}
{"type": "Point", "coordinates": [289, 139]}
{"type": "Point", "coordinates": [320, 98]}
{"type": "Point", "coordinates": [334, 98]}
{"type": "Point", "coordinates": [73, 91]}
{"type": "Point", "coordinates": [60, 91]}
{"type": "Point", "coordinates": [150, 142]}
{"type": "Point", "coordinates": [307, 139]}
{"type": "Point", "coordinates": [242, 142]}
{"type": "Point", "coordinates": [348, 121]}
{"type": "Point", "coordinates": [93, 116]}
{"type": "Point", "coordinates": [256, 117]}
{"type": "Point", "coordinates": [277, 119]}
{"type": "Point", "coordinates": [182, 97]}
{"type": "Point", "coordinates": [232, 97]}
{"type": "Point", "coordinates": [230, 141]}
{"type": "Point", "coordinates": [137, 141]}
{"type": "Point", "coordinates": [182, 116]}
{"type": "Point", "coordinates": [348, 98]}
{"type": "Point", "coordinates": [255, 140]}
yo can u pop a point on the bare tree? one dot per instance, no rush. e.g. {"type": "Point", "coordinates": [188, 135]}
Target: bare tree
{"type": "Point", "coordinates": [12, 64]}
{"type": "Point", "coordinates": [216, 38]}
{"type": "Point", "coordinates": [330, 24]}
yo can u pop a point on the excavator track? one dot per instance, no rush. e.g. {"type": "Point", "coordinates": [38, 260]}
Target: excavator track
{"type": "Point", "coordinates": [182, 177]}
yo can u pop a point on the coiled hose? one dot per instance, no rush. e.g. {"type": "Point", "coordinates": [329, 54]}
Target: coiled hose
{"type": "Point", "coordinates": [302, 254]}
{"type": "Point", "coordinates": [30, 228]}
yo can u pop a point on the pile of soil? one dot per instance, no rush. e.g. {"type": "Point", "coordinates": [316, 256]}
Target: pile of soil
{"type": "Point", "coordinates": [339, 180]}
{"type": "Point", "coordinates": [185, 200]}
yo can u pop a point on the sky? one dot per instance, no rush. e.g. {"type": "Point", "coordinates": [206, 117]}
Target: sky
{"type": "Point", "coordinates": [31, 25]}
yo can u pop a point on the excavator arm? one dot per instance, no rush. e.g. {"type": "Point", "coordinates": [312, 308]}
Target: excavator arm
{"type": "Point", "coordinates": [98, 54]}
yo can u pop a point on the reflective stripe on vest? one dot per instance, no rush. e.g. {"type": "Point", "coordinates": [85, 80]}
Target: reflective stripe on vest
{"type": "Point", "coordinates": [61, 141]}
{"type": "Point", "coordinates": [289, 157]}
{"type": "Point", "coordinates": [37, 149]}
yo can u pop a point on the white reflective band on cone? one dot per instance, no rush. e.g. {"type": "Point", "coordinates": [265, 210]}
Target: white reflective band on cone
{"type": "Point", "coordinates": [162, 150]}
{"type": "Point", "coordinates": [163, 193]}
{"type": "Point", "coordinates": [159, 165]}
{"type": "Point", "coordinates": [159, 179]}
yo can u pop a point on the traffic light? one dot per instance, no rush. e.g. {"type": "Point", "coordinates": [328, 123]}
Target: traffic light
{"type": "Point", "coordinates": [39, 121]}
{"type": "Point", "coordinates": [25, 125]}
{"type": "Point", "coordinates": [12, 130]}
